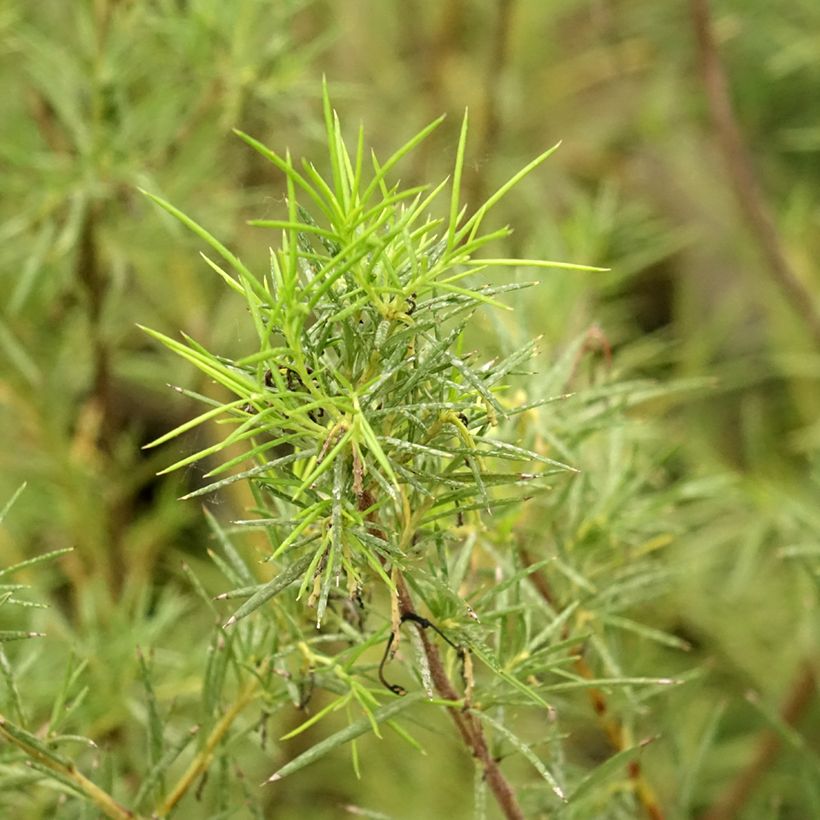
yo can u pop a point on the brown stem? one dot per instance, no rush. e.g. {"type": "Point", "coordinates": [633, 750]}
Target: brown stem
{"type": "Point", "coordinates": [45, 117]}
{"type": "Point", "coordinates": [92, 278]}
{"type": "Point", "coordinates": [596, 343]}
{"type": "Point", "coordinates": [614, 730]}
{"type": "Point", "coordinates": [801, 693]}
{"type": "Point", "coordinates": [436, 53]}
{"type": "Point", "coordinates": [466, 722]}
{"type": "Point", "coordinates": [741, 174]}
{"type": "Point", "coordinates": [610, 725]}
{"type": "Point", "coordinates": [468, 725]}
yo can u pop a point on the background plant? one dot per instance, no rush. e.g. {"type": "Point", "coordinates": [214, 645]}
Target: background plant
{"type": "Point", "coordinates": [640, 187]}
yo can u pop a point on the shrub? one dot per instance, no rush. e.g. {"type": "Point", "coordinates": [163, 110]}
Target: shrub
{"type": "Point", "coordinates": [391, 473]}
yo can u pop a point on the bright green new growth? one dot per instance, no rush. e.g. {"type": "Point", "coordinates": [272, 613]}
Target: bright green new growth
{"type": "Point", "coordinates": [370, 432]}
{"type": "Point", "coordinates": [371, 439]}
{"type": "Point", "coordinates": [387, 475]}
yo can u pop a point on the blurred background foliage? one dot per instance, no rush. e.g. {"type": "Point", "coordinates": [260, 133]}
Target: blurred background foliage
{"type": "Point", "coordinates": [101, 97]}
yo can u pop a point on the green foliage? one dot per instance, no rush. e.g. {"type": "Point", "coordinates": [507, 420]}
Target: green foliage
{"type": "Point", "coordinates": [358, 388]}
{"type": "Point", "coordinates": [104, 98]}
{"type": "Point", "coordinates": [684, 548]}
{"type": "Point", "coordinates": [385, 459]}
{"type": "Point", "coordinates": [378, 449]}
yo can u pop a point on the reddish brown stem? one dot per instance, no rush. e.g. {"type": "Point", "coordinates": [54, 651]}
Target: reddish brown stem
{"type": "Point", "coordinates": [476, 181]}
{"type": "Point", "coordinates": [466, 722]}
{"type": "Point", "coordinates": [741, 173]}
{"type": "Point", "coordinates": [468, 725]}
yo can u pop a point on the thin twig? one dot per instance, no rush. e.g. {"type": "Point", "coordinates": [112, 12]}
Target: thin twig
{"type": "Point", "coordinates": [475, 184]}
{"type": "Point", "coordinates": [437, 51]}
{"type": "Point", "coordinates": [466, 722]}
{"type": "Point", "coordinates": [750, 200]}
{"type": "Point", "coordinates": [203, 759]}
{"type": "Point", "coordinates": [614, 730]}
{"type": "Point", "coordinates": [468, 725]}
{"type": "Point", "coordinates": [99, 797]}
{"type": "Point", "coordinates": [800, 696]}
{"type": "Point", "coordinates": [741, 173]}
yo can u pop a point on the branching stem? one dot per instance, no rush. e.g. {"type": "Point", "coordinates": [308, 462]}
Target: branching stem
{"type": "Point", "coordinates": [203, 759]}
{"type": "Point", "coordinates": [469, 727]}
{"type": "Point", "coordinates": [99, 797]}
{"type": "Point", "coordinates": [466, 722]}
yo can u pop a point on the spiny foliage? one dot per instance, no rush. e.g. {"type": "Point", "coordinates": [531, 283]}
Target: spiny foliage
{"type": "Point", "coordinates": [370, 429]}
{"type": "Point", "coordinates": [379, 448]}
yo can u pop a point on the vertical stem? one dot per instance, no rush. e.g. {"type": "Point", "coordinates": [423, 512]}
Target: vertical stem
{"type": "Point", "coordinates": [468, 725]}
{"type": "Point", "coordinates": [466, 722]}
{"type": "Point", "coordinates": [436, 53]}
{"type": "Point", "coordinates": [491, 99]}
{"type": "Point", "coordinates": [741, 173]}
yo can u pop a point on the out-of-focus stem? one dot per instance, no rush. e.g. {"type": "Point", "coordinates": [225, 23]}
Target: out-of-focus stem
{"type": "Point", "coordinates": [99, 797]}
{"type": "Point", "coordinates": [476, 182]}
{"type": "Point", "coordinates": [610, 725]}
{"type": "Point", "coordinates": [203, 759]}
{"type": "Point", "coordinates": [741, 172]}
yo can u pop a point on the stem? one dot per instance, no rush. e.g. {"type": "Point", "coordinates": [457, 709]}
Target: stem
{"type": "Point", "coordinates": [801, 693]}
{"type": "Point", "coordinates": [439, 50]}
{"type": "Point", "coordinates": [203, 759]}
{"type": "Point", "coordinates": [104, 801]}
{"type": "Point", "coordinates": [469, 727]}
{"type": "Point", "coordinates": [614, 730]}
{"type": "Point", "coordinates": [466, 722]}
{"type": "Point", "coordinates": [99, 797]}
{"type": "Point", "coordinates": [741, 173]}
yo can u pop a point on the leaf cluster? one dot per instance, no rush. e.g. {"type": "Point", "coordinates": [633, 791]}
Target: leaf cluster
{"type": "Point", "coordinates": [369, 428]}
